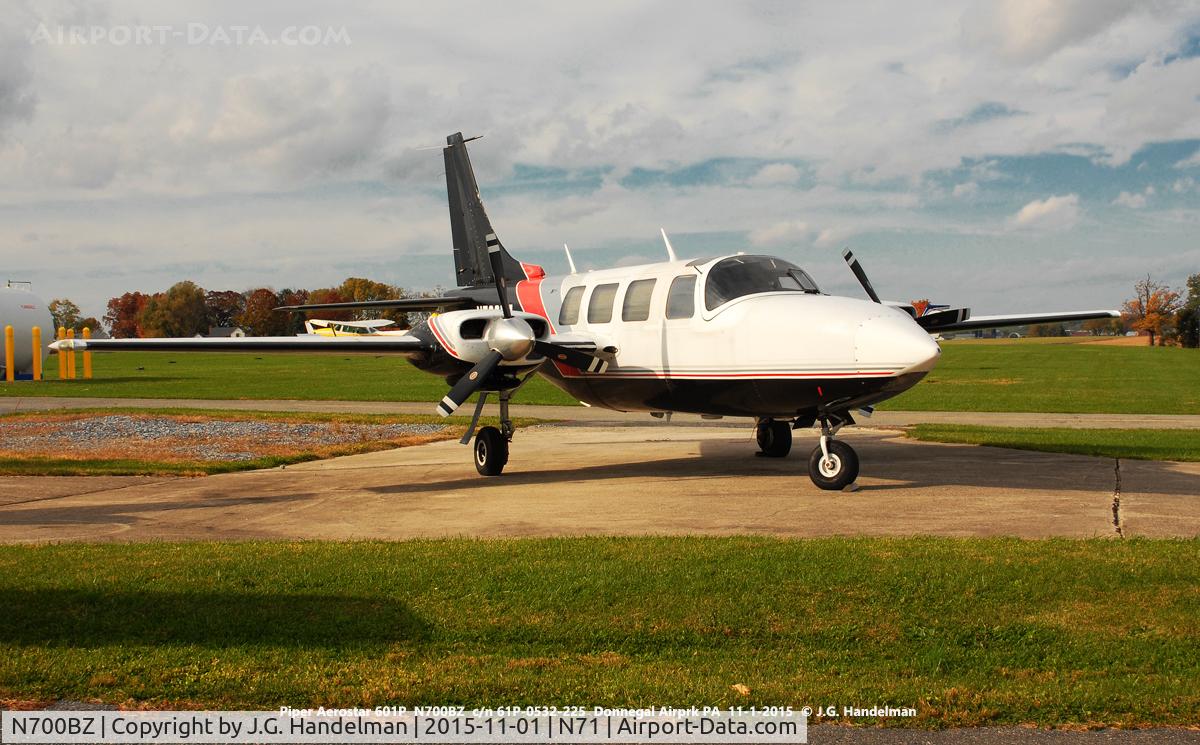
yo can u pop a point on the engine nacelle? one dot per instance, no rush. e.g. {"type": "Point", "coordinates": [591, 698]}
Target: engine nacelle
{"type": "Point", "coordinates": [468, 335]}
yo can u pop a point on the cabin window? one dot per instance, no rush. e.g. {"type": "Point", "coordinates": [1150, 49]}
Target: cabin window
{"type": "Point", "coordinates": [637, 300]}
{"type": "Point", "coordinates": [751, 275]}
{"type": "Point", "coordinates": [568, 314]}
{"type": "Point", "coordinates": [600, 306]}
{"type": "Point", "coordinates": [681, 299]}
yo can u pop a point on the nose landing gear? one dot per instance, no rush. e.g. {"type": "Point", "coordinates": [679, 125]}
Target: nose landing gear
{"type": "Point", "coordinates": [491, 444]}
{"type": "Point", "coordinates": [833, 464]}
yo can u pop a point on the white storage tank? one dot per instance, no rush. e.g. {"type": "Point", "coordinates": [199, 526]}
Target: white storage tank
{"type": "Point", "coordinates": [23, 310]}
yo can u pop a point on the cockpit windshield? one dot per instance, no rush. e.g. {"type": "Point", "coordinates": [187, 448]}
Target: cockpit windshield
{"type": "Point", "coordinates": [738, 276]}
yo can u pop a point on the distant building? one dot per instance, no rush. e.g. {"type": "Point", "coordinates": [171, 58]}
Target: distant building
{"type": "Point", "coordinates": [225, 332]}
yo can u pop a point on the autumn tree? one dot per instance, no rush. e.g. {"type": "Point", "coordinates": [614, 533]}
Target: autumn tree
{"type": "Point", "coordinates": [88, 323]}
{"type": "Point", "coordinates": [293, 322]}
{"type": "Point", "coordinates": [124, 315]}
{"type": "Point", "coordinates": [1152, 308]}
{"type": "Point", "coordinates": [359, 289]}
{"type": "Point", "coordinates": [223, 306]}
{"type": "Point", "coordinates": [180, 311]}
{"type": "Point", "coordinates": [65, 313]}
{"type": "Point", "coordinates": [329, 295]}
{"type": "Point", "coordinates": [259, 317]}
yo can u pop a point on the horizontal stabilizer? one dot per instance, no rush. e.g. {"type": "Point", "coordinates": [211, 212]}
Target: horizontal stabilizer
{"type": "Point", "coordinates": [363, 344]}
{"type": "Point", "coordinates": [408, 303]}
{"type": "Point", "coordinates": [1023, 319]}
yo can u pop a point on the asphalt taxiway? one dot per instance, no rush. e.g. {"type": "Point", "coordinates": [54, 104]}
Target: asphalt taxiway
{"type": "Point", "coordinates": [624, 479]}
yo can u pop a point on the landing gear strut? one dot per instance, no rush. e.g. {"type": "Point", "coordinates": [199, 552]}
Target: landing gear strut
{"type": "Point", "coordinates": [774, 438]}
{"type": "Point", "coordinates": [491, 444]}
{"type": "Point", "coordinates": [833, 464]}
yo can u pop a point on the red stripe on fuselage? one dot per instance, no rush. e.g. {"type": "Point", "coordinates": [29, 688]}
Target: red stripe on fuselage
{"type": "Point", "coordinates": [529, 294]}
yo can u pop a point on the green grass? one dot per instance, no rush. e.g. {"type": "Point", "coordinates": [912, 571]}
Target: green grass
{"type": "Point", "coordinates": [1145, 444]}
{"type": "Point", "coordinates": [1064, 377]}
{"type": "Point", "coordinates": [1025, 375]}
{"type": "Point", "coordinates": [213, 375]}
{"type": "Point", "coordinates": [46, 466]}
{"type": "Point", "coordinates": [975, 631]}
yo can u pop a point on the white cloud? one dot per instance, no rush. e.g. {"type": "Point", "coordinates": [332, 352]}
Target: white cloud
{"type": "Point", "coordinates": [966, 190]}
{"type": "Point", "coordinates": [780, 232]}
{"type": "Point", "coordinates": [830, 237]}
{"type": "Point", "coordinates": [1051, 213]}
{"type": "Point", "coordinates": [1183, 185]}
{"type": "Point", "coordinates": [1133, 200]}
{"type": "Point", "coordinates": [1030, 30]}
{"type": "Point", "coordinates": [774, 174]}
{"type": "Point", "coordinates": [134, 146]}
{"type": "Point", "coordinates": [1192, 161]}
{"type": "Point", "coordinates": [1130, 200]}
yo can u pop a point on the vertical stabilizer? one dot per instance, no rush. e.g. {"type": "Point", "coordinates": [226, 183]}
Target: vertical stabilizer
{"type": "Point", "coordinates": [470, 228]}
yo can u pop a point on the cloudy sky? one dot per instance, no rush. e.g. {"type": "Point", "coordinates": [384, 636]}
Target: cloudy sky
{"type": "Point", "coordinates": [1020, 155]}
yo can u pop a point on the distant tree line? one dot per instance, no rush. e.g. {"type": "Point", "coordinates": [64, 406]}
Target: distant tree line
{"type": "Point", "coordinates": [186, 309]}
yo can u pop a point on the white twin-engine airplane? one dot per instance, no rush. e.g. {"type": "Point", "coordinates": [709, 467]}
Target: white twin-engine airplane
{"type": "Point", "coordinates": [739, 335]}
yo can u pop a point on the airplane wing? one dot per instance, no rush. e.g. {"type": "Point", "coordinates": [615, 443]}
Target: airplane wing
{"type": "Point", "coordinates": [353, 344]}
{"type": "Point", "coordinates": [410, 303]}
{"type": "Point", "coordinates": [970, 322]}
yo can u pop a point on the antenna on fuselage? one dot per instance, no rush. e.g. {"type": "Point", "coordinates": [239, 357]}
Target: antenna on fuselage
{"type": "Point", "coordinates": [570, 260]}
{"type": "Point", "coordinates": [666, 240]}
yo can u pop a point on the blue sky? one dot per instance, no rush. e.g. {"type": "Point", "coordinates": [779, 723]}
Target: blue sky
{"type": "Point", "coordinates": [1010, 155]}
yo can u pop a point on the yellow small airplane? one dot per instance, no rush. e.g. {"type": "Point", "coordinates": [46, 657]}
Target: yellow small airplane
{"type": "Point", "coordinates": [372, 327]}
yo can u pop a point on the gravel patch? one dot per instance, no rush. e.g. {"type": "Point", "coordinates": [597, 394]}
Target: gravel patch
{"type": "Point", "coordinates": [205, 439]}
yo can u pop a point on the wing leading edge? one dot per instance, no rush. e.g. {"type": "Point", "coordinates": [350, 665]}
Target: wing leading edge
{"type": "Point", "coordinates": [402, 345]}
{"type": "Point", "coordinates": [1023, 319]}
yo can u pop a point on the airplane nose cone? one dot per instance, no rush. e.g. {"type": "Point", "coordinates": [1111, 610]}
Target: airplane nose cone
{"type": "Point", "coordinates": [891, 342]}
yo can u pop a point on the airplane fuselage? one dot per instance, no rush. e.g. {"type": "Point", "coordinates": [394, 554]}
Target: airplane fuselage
{"type": "Point", "coordinates": [731, 336]}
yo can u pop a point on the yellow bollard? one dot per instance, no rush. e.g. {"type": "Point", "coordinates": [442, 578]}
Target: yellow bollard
{"type": "Point", "coordinates": [87, 356]}
{"type": "Point", "coordinates": [37, 353]}
{"type": "Point", "coordinates": [10, 352]}
{"type": "Point", "coordinates": [71, 357]}
{"type": "Point", "coordinates": [61, 356]}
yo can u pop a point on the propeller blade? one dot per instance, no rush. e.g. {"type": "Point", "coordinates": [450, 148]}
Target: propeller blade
{"type": "Point", "coordinates": [848, 255]}
{"type": "Point", "coordinates": [469, 383]}
{"type": "Point", "coordinates": [493, 247]}
{"type": "Point", "coordinates": [941, 318]}
{"type": "Point", "coordinates": [572, 357]}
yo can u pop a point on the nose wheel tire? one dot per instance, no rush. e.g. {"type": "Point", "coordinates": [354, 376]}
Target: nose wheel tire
{"type": "Point", "coordinates": [838, 471]}
{"type": "Point", "coordinates": [774, 438]}
{"type": "Point", "coordinates": [491, 452]}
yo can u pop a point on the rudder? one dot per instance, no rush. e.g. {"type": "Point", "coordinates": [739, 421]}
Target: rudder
{"type": "Point", "coordinates": [470, 229]}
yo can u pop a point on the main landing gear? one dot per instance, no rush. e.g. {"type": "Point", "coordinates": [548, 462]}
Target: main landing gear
{"type": "Point", "coordinates": [833, 465]}
{"type": "Point", "coordinates": [774, 438]}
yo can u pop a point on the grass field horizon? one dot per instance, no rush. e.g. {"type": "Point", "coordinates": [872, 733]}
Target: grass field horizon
{"type": "Point", "coordinates": [1026, 375]}
{"type": "Point", "coordinates": [1140, 444]}
{"type": "Point", "coordinates": [1089, 633]}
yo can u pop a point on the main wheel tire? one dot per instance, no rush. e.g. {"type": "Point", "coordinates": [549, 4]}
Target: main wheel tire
{"type": "Point", "coordinates": [491, 452]}
{"type": "Point", "coordinates": [774, 438]}
{"type": "Point", "coordinates": [839, 472]}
